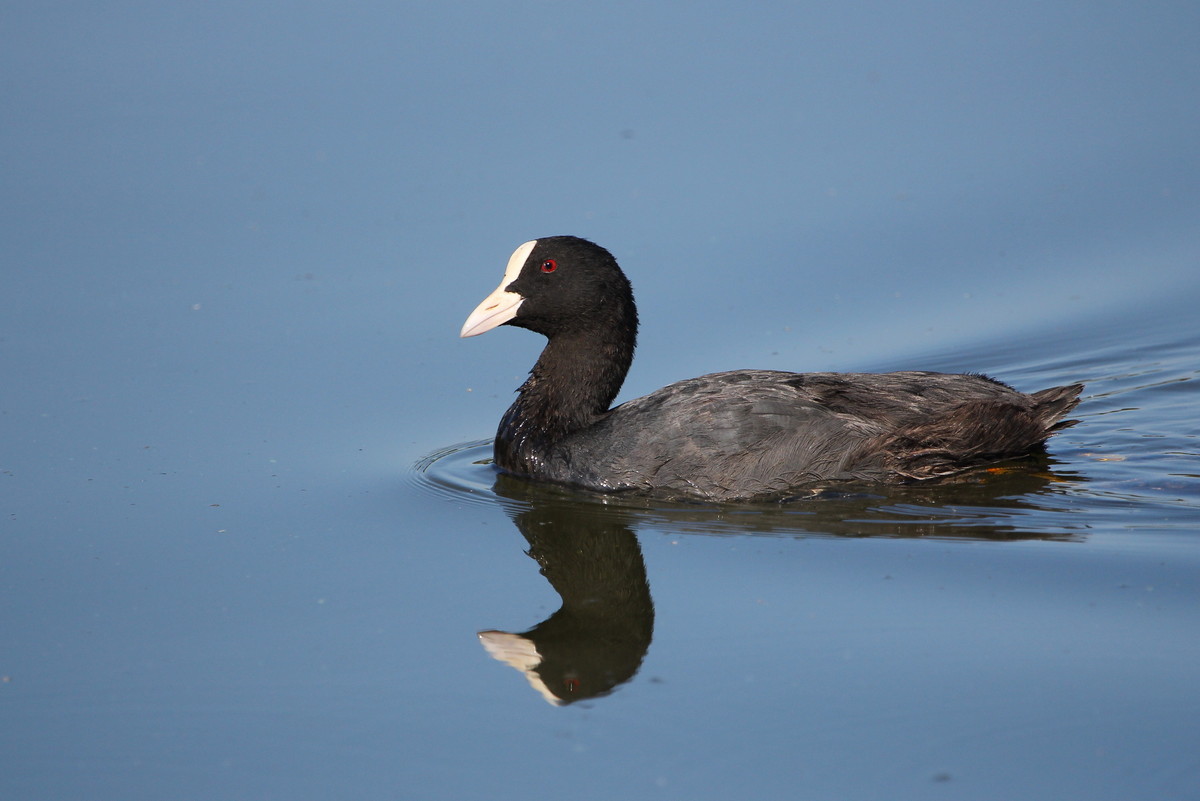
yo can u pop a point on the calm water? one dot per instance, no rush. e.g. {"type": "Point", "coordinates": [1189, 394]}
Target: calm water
{"type": "Point", "coordinates": [252, 547]}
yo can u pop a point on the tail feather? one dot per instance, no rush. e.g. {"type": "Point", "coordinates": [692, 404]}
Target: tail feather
{"type": "Point", "coordinates": [979, 432]}
{"type": "Point", "coordinates": [1051, 405]}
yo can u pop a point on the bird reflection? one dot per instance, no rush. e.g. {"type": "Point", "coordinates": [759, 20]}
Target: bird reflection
{"type": "Point", "coordinates": [592, 559]}
{"type": "Point", "coordinates": [588, 551]}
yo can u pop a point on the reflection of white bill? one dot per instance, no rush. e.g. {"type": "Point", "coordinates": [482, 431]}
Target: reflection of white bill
{"type": "Point", "coordinates": [521, 653]}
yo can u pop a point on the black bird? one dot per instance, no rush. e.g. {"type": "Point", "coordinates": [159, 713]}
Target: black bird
{"type": "Point", "coordinates": [740, 435]}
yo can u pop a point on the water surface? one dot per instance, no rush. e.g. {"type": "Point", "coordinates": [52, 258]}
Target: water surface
{"type": "Point", "coordinates": [252, 548]}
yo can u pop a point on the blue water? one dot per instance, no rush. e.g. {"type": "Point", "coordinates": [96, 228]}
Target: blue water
{"type": "Point", "coordinates": [251, 543]}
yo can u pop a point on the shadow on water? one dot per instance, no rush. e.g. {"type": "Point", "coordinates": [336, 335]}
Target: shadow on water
{"type": "Point", "coordinates": [587, 548]}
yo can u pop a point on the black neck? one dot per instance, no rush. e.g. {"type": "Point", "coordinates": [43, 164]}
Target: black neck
{"type": "Point", "coordinates": [571, 386]}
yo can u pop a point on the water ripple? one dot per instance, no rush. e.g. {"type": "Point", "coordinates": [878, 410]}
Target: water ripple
{"type": "Point", "coordinates": [1020, 502]}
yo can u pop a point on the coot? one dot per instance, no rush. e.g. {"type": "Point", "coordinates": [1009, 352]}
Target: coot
{"type": "Point", "coordinates": [740, 435]}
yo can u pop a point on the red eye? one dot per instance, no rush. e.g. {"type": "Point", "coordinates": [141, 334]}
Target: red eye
{"type": "Point", "coordinates": [549, 266]}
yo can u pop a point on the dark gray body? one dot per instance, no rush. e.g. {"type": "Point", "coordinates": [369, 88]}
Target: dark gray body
{"type": "Point", "coordinates": [759, 434]}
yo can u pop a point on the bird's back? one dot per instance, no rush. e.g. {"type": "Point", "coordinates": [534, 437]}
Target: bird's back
{"type": "Point", "coordinates": [758, 433]}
